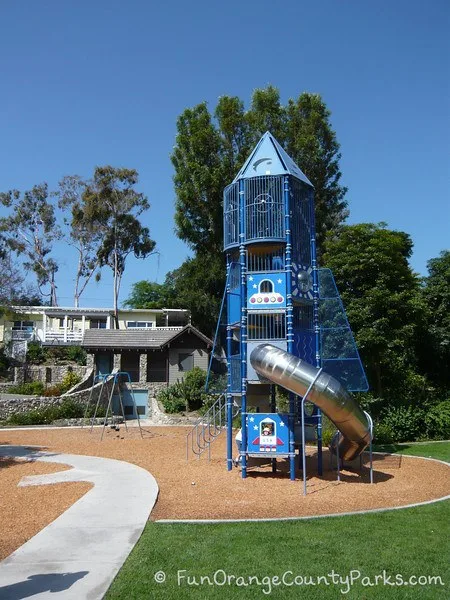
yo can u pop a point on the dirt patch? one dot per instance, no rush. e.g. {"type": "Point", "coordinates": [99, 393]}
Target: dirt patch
{"type": "Point", "coordinates": [27, 510]}
{"type": "Point", "coordinates": [199, 489]}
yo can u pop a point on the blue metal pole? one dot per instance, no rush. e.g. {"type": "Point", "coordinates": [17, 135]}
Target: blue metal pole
{"type": "Point", "coordinates": [243, 337]}
{"type": "Point", "coordinates": [315, 274]}
{"type": "Point", "coordinates": [289, 317]}
{"type": "Point", "coordinates": [229, 381]}
{"type": "Point", "coordinates": [273, 408]}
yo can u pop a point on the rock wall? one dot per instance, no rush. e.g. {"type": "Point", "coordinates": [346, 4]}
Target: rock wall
{"type": "Point", "coordinates": [49, 374]}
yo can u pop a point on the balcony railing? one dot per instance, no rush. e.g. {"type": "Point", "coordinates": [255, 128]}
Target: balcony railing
{"type": "Point", "coordinates": [23, 334]}
{"type": "Point", "coordinates": [71, 335]}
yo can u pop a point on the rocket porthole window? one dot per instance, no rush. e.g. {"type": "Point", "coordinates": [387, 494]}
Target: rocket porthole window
{"type": "Point", "coordinates": [304, 281]}
{"type": "Point", "coordinates": [266, 287]}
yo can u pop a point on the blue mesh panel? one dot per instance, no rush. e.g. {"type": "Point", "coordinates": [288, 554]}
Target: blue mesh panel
{"type": "Point", "coordinates": [340, 357]}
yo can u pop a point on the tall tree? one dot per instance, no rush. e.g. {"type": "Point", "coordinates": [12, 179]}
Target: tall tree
{"type": "Point", "coordinates": [111, 206]}
{"type": "Point", "coordinates": [436, 294]}
{"type": "Point", "coordinates": [30, 231]}
{"type": "Point", "coordinates": [149, 294]}
{"type": "Point", "coordinates": [79, 234]}
{"type": "Point", "coordinates": [312, 143]}
{"type": "Point", "coordinates": [14, 290]}
{"type": "Point", "coordinates": [381, 295]}
{"type": "Point", "coordinates": [210, 149]}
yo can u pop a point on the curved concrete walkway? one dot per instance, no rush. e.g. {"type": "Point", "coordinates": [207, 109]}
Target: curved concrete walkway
{"type": "Point", "coordinates": [78, 555]}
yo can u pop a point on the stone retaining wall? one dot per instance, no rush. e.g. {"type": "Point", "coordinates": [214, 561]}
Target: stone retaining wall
{"type": "Point", "coordinates": [49, 374]}
{"type": "Point", "coordinates": [21, 404]}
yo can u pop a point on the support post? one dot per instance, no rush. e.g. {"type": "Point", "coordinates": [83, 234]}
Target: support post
{"type": "Point", "coordinates": [289, 317]}
{"type": "Point", "coordinates": [243, 340]}
{"type": "Point", "coordinates": [273, 408]}
{"type": "Point", "coordinates": [316, 295]}
{"type": "Point", "coordinates": [229, 378]}
{"type": "Point", "coordinates": [311, 385]}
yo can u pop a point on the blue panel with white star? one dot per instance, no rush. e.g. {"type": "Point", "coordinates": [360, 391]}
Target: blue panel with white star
{"type": "Point", "coordinates": [266, 291]}
{"type": "Point", "coordinates": [268, 432]}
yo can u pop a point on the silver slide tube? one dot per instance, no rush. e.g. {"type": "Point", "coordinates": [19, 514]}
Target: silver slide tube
{"type": "Point", "coordinates": [327, 393]}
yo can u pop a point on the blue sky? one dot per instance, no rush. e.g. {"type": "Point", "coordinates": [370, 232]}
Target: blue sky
{"type": "Point", "coordinates": [86, 83]}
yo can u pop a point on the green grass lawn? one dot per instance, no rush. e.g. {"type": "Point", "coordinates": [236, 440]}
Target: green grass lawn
{"type": "Point", "coordinates": [410, 542]}
{"type": "Point", "coordinates": [440, 450]}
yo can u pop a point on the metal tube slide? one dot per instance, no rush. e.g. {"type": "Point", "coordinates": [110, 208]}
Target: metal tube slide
{"type": "Point", "coordinates": [328, 394]}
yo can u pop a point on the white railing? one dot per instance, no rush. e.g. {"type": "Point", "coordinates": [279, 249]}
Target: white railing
{"type": "Point", "coordinates": [52, 335]}
{"type": "Point", "coordinates": [23, 334]}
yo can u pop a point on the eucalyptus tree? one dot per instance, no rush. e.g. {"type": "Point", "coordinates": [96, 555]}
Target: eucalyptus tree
{"type": "Point", "coordinates": [110, 208]}
{"type": "Point", "coordinates": [86, 240]}
{"type": "Point", "coordinates": [30, 230]}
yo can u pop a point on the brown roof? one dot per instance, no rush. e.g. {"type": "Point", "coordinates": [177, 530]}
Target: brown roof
{"type": "Point", "coordinates": [136, 338]}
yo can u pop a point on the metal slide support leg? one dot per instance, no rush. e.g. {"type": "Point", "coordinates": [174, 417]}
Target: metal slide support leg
{"type": "Point", "coordinates": [303, 428]}
{"type": "Point", "coordinates": [319, 444]}
{"type": "Point", "coordinates": [291, 436]}
{"type": "Point", "coordinates": [338, 459]}
{"type": "Point", "coordinates": [273, 408]}
{"type": "Point", "coordinates": [369, 418]}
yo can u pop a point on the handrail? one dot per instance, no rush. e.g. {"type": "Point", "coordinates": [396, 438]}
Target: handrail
{"type": "Point", "coordinates": [207, 428]}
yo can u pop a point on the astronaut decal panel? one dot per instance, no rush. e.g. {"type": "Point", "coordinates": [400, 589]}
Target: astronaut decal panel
{"type": "Point", "coordinates": [266, 290]}
{"type": "Point", "coordinates": [268, 432]}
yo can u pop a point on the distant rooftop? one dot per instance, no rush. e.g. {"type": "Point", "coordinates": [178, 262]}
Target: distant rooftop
{"type": "Point", "coordinates": [96, 339]}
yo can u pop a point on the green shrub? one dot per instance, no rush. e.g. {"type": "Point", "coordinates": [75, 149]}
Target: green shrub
{"type": "Point", "coordinates": [35, 353]}
{"type": "Point", "coordinates": [437, 421]}
{"type": "Point", "coordinates": [69, 380]}
{"type": "Point", "coordinates": [68, 409]}
{"type": "Point", "coordinates": [33, 388]}
{"type": "Point", "coordinates": [172, 399]}
{"type": "Point", "coordinates": [383, 433]}
{"type": "Point", "coordinates": [188, 394]}
{"type": "Point", "coordinates": [57, 354]}
{"type": "Point", "coordinates": [405, 423]}
{"type": "Point", "coordinates": [42, 416]}
{"type": "Point", "coordinates": [328, 430]}
{"type": "Point", "coordinates": [77, 354]}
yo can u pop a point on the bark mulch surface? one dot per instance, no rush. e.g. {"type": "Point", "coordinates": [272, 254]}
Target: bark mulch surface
{"type": "Point", "coordinates": [26, 510]}
{"type": "Point", "coordinates": [199, 489]}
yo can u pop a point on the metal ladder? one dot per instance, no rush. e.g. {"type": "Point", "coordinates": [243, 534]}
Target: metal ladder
{"type": "Point", "coordinates": [207, 428]}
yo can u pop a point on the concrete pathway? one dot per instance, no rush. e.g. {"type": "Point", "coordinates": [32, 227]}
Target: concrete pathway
{"type": "Point", "coordinates": [78, 555]}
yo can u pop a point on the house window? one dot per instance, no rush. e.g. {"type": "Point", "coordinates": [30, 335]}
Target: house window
{"type": "Point", "coordinates": [23, 326]}
{"type": "Point", "coordinates": [185, 362]}
{"type": "Point", "coordinates": [97, 323]}
{"type": "Point", "coordinates": [139, 324]}
{"type": "Point", "coordinates": [69, 323]}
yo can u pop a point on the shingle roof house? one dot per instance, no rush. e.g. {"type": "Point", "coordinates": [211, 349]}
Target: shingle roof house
{"type": "Point", "coordinates": [151, 355]}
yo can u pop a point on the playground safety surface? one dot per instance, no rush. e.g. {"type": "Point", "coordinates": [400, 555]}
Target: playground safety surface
{"type": "Point", "coordinates": [202, 489]}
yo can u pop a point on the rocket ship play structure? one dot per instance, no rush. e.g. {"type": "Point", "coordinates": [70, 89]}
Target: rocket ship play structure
{"type": "Point", "coordinates": [282, 321]}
